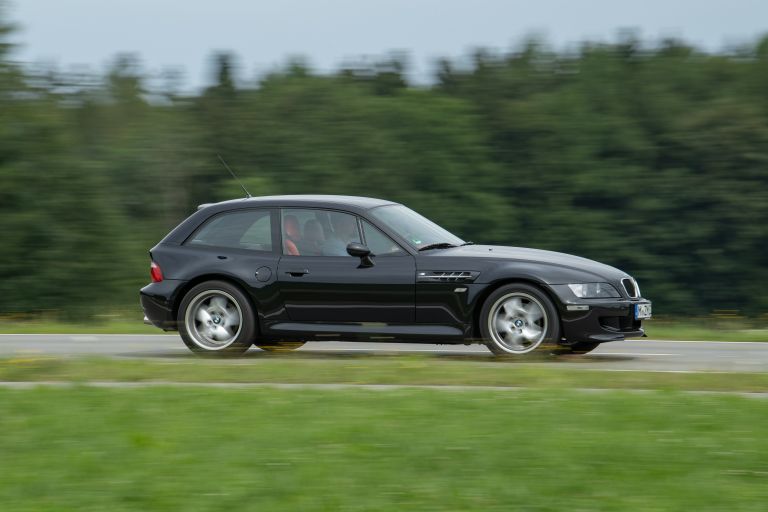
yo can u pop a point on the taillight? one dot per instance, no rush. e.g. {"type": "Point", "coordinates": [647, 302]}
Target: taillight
{"type": "Point", "coordinates": [155, 272]}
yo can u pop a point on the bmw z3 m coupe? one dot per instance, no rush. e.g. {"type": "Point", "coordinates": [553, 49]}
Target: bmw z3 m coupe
{"type": "Point", "coordinates": [279, 271]}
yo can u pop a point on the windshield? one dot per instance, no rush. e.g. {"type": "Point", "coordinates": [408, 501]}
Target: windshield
{"type": "Point", "coordinates": [418, 231]}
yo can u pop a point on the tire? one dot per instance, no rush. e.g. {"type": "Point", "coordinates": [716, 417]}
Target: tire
{"type": "Point", "coordinates": [216, 318]}
{"type": "Point", "coordinates": [280, 346]}
{"type": "Point", "coordinates": [518, 319]}
{"type": "Point", "coordinates": [579, 348]}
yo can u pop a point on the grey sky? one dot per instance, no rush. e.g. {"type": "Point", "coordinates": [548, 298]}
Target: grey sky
{"type": "Point", "coordinates": [184, 33]}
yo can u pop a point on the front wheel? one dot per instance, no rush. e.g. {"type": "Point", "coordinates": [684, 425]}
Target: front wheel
{"type": "Point", "coordinates": [216, 318]}
{"type": "Point", "coordinates": [517, 319]}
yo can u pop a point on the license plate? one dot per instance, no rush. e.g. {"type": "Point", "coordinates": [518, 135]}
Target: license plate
{"type": "Point", "coordinates": [642, 311]}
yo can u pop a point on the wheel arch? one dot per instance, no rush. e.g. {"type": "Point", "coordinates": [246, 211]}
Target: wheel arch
{"type": "Point", "coordinates": [495, 285]}
{"type": "Point", "coordinates": [182, 292]}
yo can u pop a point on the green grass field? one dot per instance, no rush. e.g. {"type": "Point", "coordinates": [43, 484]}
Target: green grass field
{"type": "Point", "coordinates": [704, 331]}
{"type": "Point", "coordinates": [194, 449]}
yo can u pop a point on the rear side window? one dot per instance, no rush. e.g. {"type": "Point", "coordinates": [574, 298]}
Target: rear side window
{"type": "Point", "coordinates": [245, 229]}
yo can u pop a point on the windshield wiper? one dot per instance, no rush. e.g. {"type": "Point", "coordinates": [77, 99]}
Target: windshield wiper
{"type": "Point", "coordinates": [441, 245]}
{"type": "Point", "coordinates": [467, 243]}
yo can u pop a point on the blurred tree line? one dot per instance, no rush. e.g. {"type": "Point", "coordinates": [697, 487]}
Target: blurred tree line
{"type": "Point", "coordinates": [654, 160]}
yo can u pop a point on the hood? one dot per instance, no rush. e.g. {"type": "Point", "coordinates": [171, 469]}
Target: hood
{"type": "Point", "coordinates": [570, 266]}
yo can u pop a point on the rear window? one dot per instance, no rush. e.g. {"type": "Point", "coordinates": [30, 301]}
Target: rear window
{"type": "Point", "coordinates": [244, 229]}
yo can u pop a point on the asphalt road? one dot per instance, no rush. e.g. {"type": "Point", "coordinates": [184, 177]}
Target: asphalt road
{"type": "Point", "coordinates": [675, 356]}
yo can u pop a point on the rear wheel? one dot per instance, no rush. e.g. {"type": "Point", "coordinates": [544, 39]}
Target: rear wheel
{"type": "Point", "coordinates": [280, 346]}
{"type": "Point", "coordinates": [517, 319]}
{"type": "Point", "coordinates": [215, 317]}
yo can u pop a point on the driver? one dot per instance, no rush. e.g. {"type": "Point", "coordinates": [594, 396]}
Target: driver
{"type": "Point", "coordinates": [344, 232]}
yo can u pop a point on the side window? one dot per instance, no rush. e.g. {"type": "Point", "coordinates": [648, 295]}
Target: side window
{"type": "Point", "coordinates": [317, 232]}
{"type": "Point", "coordinates": [379, 243]}
{"type": "Point", "coordinates": [244, 229]}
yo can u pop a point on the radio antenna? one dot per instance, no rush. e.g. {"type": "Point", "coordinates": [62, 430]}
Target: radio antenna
{"type": "Point", "coordinates": [247, 194]}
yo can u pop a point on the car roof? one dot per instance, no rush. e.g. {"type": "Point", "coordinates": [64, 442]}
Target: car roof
{"type": "Point", "coordinates": [309, 200]}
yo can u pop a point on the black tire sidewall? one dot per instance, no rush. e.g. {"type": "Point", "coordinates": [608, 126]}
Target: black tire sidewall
{"type": "Point", "coordinates": [552, 336]}
{"type": "Point", "coordinates": [247, 332]}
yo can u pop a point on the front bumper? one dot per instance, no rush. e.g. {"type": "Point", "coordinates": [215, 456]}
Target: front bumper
{"type": "Point", "coordinates": [599, 320]}
{"type": "Point", "coordinates": [157, 301]}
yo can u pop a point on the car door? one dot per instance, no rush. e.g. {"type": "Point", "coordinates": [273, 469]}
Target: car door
{"type": "Point", "coordinates": [320, 283]}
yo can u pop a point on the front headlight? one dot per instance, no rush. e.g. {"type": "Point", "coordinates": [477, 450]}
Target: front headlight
{"type": "Point", "coordinates": [593, 290]}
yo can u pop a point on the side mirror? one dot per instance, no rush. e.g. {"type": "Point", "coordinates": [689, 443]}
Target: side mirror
{"type": "Point", "coordinates": [362, 252]}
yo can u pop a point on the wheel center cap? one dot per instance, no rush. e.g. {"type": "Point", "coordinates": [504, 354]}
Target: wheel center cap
{"type": "Point", "coordinates": [519, 323]}
{"type": "Point", "coordinates": [216, 319]}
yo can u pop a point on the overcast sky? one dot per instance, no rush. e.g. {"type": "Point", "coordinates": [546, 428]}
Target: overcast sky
{"type": "Point", "coordinates": [184, 33]}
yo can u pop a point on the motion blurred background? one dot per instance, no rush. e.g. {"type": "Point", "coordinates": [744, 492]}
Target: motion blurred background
{"type": "Point", "coordinates": [635, 146]}
{"type": "Point", "coordinates": [631, 132]}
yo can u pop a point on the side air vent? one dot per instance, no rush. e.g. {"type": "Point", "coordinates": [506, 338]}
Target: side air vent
{"type": "Point", "coordinates": [446, 276]}
{"type": "Point", "coordinates": [630, 287]}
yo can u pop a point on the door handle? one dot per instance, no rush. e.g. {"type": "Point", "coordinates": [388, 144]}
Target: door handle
{"type": "Point", "coordinates": [297, 273]}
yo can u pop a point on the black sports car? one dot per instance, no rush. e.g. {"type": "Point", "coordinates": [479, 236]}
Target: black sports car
{"type": "Point", "coordinates": [279, 271]}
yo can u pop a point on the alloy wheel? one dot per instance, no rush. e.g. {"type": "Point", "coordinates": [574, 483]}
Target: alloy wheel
{"type": "Point", "coordinates": [517, 323]}
{"type": "Point", "coordinates": [214, 319]}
